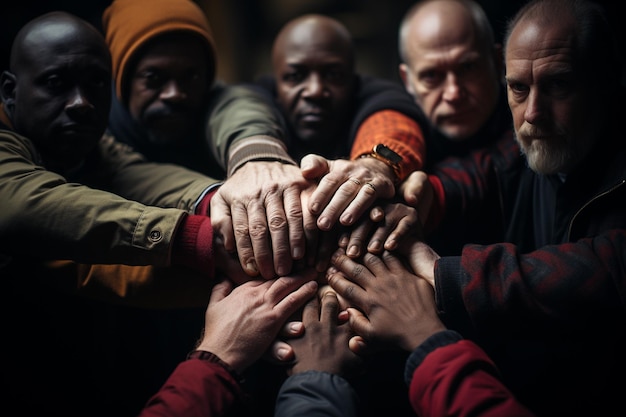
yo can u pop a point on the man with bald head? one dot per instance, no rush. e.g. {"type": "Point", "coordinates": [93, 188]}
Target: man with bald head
{"type": "Point", "coordinates": [71, 193]}
{"type": "Point", "coordinates": [453, 69]}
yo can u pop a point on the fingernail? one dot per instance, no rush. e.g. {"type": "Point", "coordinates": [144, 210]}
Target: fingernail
{"type": "Point", "coordinates": [315, 207]}
{"type": "Point", "coordinates": [297, 253]}
{"type": "Point", "coordinates": [282, 353]}
{"type": "Point", "coordinates": [324, 223]}
{"type": "Point", "coordinates": [251, 266]}
{"type": "Point", "coordinates": [353, 250]}
{"type": "Point", "coordinates": [374, 245]}
{"type": "Point", "coordinates": [295, 327]}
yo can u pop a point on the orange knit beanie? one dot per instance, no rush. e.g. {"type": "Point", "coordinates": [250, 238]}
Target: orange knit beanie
{"type": "Point", "coordinates": [129, 24]}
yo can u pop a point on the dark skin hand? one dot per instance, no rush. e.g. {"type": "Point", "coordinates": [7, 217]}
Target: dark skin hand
{"type": "Point", "coordinates": [392, 307]}
{"type": "Point", "coordinates": [324, 345]}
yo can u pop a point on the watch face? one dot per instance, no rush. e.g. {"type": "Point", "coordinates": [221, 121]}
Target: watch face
{"type": "Point", "coordinates": [387, 153]}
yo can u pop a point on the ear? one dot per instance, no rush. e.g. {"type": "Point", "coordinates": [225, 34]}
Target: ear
{"type": "Point", "coordinates": [7, 91]}
{"type": "Point", "coordinates": [405, 76]}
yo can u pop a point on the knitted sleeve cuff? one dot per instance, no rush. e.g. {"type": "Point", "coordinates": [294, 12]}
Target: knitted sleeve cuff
{"type": "Point", "coordinates": [212, 357]}
{"type": "Point", "coordinates": [193, 244]}
{"type": "Point", "coordinates": [398, 132]}
{"type": "Point", "coordinates": [257, 148]}
{"type": "Point", "coordinates": [440, 339]}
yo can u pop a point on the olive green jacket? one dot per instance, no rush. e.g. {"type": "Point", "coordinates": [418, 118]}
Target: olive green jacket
{"type": "Point", "coordinates": [117, 208]}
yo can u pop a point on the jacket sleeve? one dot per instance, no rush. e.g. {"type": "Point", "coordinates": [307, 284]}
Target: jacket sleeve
{"type": "Point", "coordinates": [449, 376]}
{"type": "Point", "coordinates": [315, 393]}
{"type": "Point", "coordinates": [496, 286]}
{"type": "Point", "coordinates": [196, 388]}
{"type": "Point", "coordinates": [387, 114]}
{"type": "Point", "coordinates": [45, 214]}
{"type": "Point", "coordinates": [243, 126]}
{"type": "Point", "coordinates": [127, 173]}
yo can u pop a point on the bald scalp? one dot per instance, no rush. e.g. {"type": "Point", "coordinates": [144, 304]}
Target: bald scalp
{"type": "Point", "coordinates": [52, 31]}
{"type": "Point", "coordinates": [313, 29]}
{"type": "Point", "coordinates": [424, 11]}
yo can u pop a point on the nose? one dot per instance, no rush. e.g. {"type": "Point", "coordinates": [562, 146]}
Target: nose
{"type": "Point", "coordinates": [534, 107]}
{"type": "Point", "coordinates": [172, 91]}
{"type": "Point", "coordinates": [452, 90]}
{"type": "Point", "coordinates": [78, 104]}
{"type": "Point", "coordinates": [314, 86]}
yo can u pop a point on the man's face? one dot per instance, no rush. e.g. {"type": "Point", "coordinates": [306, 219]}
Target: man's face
{"type": "Point", "coordinates": [62, 97]}
{"type": "Point", "coordinates": [452, 79]}
{"type": "Point", "coordinates": [315, 83]}
{"type": "Point", "coordinates": [553, 109]}
{"type": "Point", "coordinates": [168, 86]}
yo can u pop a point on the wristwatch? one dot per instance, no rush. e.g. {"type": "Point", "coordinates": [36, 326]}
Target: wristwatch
{"type": "Point", "coordinates": [389, 157]}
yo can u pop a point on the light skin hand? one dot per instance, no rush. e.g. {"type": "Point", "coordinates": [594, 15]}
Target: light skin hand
{"type": "Point", "coordinates": [241, 322]}
{"type": "Point", "coordinates": [422, 259]}
{"type": "Point", "coordinates": [343, 194]}
{"type": "Point", "coordinates": [394, 307]}
{"type": "Point", "coordinates": [391, 224]}
{"type": "Point", "coordinates": [324, 346]}
{"type": "Point", "coordinates": [418, 192]}
{"type": "Point", "coordinates": [258, 213]}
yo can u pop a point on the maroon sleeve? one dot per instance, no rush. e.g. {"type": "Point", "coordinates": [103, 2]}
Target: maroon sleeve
{"type": "Point", "coordinates": [195, 388]}
{"type": "Point", "coordinates": [459, 379]}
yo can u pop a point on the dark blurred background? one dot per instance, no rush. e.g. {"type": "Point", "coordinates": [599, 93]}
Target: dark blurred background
{"type": "Point", "coordinates": [244, 29]}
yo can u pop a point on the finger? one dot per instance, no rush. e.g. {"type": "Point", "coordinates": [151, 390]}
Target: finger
{"type": "Point", "coordinates": [406, 226]}
{"type": "Point", "coordinates": [242, 237]}
{"type": "Point", "coordinates": [377, 214]}
{"type": "Point", "coordinates": [344, 194]}
{"type": "Point", "coordinates": [358, 238]}
{"type": "Point", "coordinates": [353, 270]}
{"type": "Point", "coordinates": [220, 291]}
{"type": "Point", "coordinates": [347, 289]}
{"type": "Point", "coordinates": [291, 329]}
{"type": "Point", "coordinates": [358, 345]}
{"type": "Point", "coordinates": [314, 166]}
{"type": "Point", "coordinates": [295, 217]}
{"type": "Point", "coordinates": [360, 324]}
{"type": "Point", "coordinates": [330, 307]}
{"type": "Point", "coordinates": [262, 256]}
{"type": "Point", "coordinates": [359, 204]}
{"type": "Point", "coordinates": [296, 299]}
{"type": "Point", "coordinates": [278, 245]}
{"type": "Point", "coordinates": [221, 221]}
{"type": "Point", "coordinates": [280, 353]}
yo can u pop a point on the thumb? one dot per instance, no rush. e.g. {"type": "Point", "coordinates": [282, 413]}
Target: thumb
{"type": "Point", "coordinates": [314, 166]}
{"type": "Point", "coordinates": [220, 291]}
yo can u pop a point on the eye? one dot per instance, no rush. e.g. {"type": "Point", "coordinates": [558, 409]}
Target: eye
{"type": "Point", "coordinates": [430, 78]}
{"type": "Point", "coordinates": [54, 82]}
{"type": "Point", "coordinates": [558, 87]}
{"type": "Point", "coordinates": [152, 79]}
{"type": "Point", "coordinates": [293, 76]}
{"type": "Point", "coordinates": [335, 76]}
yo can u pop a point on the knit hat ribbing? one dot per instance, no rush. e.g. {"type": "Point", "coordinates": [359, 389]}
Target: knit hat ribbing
{"type": "Point", "coordinates": [129, 24]}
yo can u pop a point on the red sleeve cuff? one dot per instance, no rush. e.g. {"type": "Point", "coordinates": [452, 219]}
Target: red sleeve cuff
{"type": "Point", "coordinates": [193, 244]}
{"type": "Point", "coordinates": [204, 206]}
{"type": "Point", "coordinates": [439, 204]}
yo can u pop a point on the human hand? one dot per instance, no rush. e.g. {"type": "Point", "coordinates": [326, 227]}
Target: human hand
{"type": "Point", "coordinates": [391, 224]}
{"type": "Point", "coordinates": [346, 188]}
{"type": "Point", "coordinates": [241, 322]}
{"type": "Point", "coordinates": [258, 213]}
{"type": "Point", "coordinates": [418, 192]}
{"type": "Point", "coordinates": [394, 307]}
{"type": "Point", "coordinates": [422, 258]}
{"type": "Point", "coordinates": [324, 346]}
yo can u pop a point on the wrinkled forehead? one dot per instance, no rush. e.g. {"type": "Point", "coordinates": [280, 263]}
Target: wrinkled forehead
{"type": "Point", "coordinates": [532, 39]}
